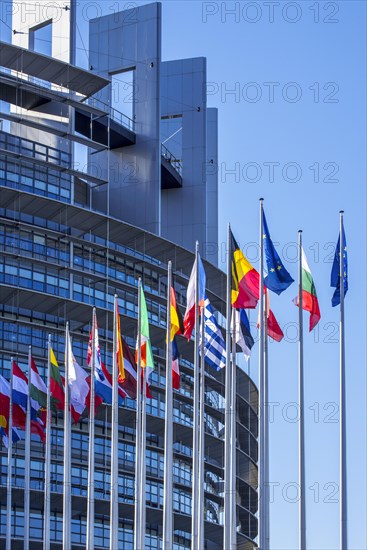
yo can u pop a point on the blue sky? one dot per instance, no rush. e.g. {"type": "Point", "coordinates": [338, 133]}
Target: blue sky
{"type": "Point", "coordinates": [298, 107]}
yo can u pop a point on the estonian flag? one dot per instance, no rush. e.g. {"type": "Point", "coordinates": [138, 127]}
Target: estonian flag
{"type": "Point", "coordinates": [277, 277]}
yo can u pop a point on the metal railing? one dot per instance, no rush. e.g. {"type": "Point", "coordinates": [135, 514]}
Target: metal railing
{"type": "Point", "coordinates": [113, 113]}
{"type": "Point", "coordinates": [175, 163]}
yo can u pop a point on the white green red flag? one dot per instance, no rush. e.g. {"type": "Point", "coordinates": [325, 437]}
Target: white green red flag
{"type": "Point", "coordinates": [309, 297]}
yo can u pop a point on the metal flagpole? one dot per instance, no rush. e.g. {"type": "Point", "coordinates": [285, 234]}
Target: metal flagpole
{"type": "Point", "coordinates": [66, 538]}
{"type": "Point", "coordinates": [302, 500]}
{"type": "Point", "coordinates": [233, 447]}
{"type": "Point", "coordinates": [114, 510]}
{"type": "Point", "coordinates": [27, 453]}
{"type": "Point", "coordinates": [47, 491]}
{"type": "Point", "coordinates": [262, 507]}
{"type": "Point", "coordinates": [343, 438]}
{"type": "Point", "coordinates": [227, 424]}
{"type": "Point", "coordinates": [90, 503]}
{"type": "Point", "coordinates": [195, 443]}
{"type": "Point", "coordinates": [10, 463]}
{"type": "Point", "coordinates": [201, 472]}
{"type": "Point", "coordinates": [143, 446]}
{"type": "Point", "coordinates": [266, 426]}
{"type": "Point", "coordinates": [168, 431]}
{"type": "Point", "coordinates": [137, 526]}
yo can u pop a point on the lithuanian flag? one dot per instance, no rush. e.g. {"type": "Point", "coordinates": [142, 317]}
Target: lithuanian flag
{"type": "Point", "coordinates": [245, 279]}
{"type": "Point", "coordinates": [309, 297]}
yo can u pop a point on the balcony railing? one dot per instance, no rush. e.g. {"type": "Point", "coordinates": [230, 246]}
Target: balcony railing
{"type": "Point", "coordinates": [175, 163]}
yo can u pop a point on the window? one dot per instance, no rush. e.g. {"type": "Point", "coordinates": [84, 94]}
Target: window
{"type": "Point", "coordinates": [40, 38]}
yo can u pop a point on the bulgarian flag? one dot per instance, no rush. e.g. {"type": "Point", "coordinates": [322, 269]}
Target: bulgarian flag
{"type": "Point", "coordinates": [309, 297]}
{"type": "Point", "coordinates": [146, 346]}
{"type": "Point", "coordinates": [56, 385]}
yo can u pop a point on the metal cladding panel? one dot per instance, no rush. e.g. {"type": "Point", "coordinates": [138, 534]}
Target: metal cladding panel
{"type": "Point", "coordinates": [131, 40]}
{"type": "Point", "coordinates": [211, 173]}
{"type": "Point", "coordinates": [184, 211]}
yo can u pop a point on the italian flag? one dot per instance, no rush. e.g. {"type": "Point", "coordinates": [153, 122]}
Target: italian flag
{"type": "Point", "coordinates": [309, 297]}
{"type": "Point", "coordinates": [146, 346]}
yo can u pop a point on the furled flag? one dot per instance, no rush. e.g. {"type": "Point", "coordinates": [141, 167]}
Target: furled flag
{"type": "Point", "coordinates": [214, 344]}
{"type": "Point", "coordinates": [245, 279]}
{"type": "Point", "coordinates": [20, 398]}
{"type": "Point", "coordinates": [129, 384]}
{"type": "Point", "coordinates": [78, 385]}
{"type": "Point", "coordinates": [189, 318]}
{"type": "Point", "coordinates": [277, 277]}
{"type": "Point", "coordinates": [119, 347]}
{"type": "Point", "coordinates": [309, 297]}
{"type": "Point", "coordinates": [4, 413]}
{"type": "Point", "coordinates": [274, 330]}
{"type": "Point", "coordinates": [176, 328]}
{"type": "Point", "coordinates": [146, 346]}
{"type": "Point", "coordinates": [242, 332]}
{"type": "Point", "coordinates": [103, 379]}
{"type": "Point", "coordinates": [56, 385]}
{"type": "Point", "coordinates": [335, 271]}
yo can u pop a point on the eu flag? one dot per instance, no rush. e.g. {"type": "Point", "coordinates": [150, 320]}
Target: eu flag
{"type": "Point", "coordinates": [277, 277]}
{"type": "Point", "coordinates": [335, 271]}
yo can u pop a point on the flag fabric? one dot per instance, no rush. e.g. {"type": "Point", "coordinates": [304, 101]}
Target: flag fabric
{"type": "Point", "coordinates": [214, 344]}
{"type": "Point", "coordinates": [129, 385]}
{"type": "Point", "coordinates": [245, 279]}
{"type": "Point", "coordinates": [274, 330]}
{"type": "Point", "coordinates": [56, 384]}
{"type": "Point", "coordinates": [20, 398]}
{"type": "Point", "coordinates": [78, 385]}
{"type": "Point", "coordinates": [309, 297]}
{"type": "Point", "coordinates": [38, 392]}
{"type": "Point", "coordinates": [277, 277]}
{"type": "Point", "coordinates": [119, 347]}
{"type": "Point", "coordinates": [189, 318]}
{"type": "Point", "coordinates": [177, 327]}
{"type": "Point", "coordinates": [335, 271]}
{"type": "Point", "coordinates": [146, 346]}
{"type": "Point", "coordinates": [4, 413]}
{"type": "Point", "coordinates": [243, 335]}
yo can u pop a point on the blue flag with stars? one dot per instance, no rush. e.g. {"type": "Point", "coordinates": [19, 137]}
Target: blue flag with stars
{"type": "Point", "coordinates": [335, 271]}
{"type": "Point", "coordinates": [277, 277]}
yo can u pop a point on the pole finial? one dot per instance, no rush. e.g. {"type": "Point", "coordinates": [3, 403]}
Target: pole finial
{"type": "Point", "coordinates": [261, 199]}
{"type": "Point", "coordinates": [341, 211]}
{"type": "Point", "coordinates": [300, 230]}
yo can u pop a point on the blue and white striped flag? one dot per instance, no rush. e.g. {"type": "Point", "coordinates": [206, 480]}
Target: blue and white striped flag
{"type": "Point", "coordinates": [214, 344]}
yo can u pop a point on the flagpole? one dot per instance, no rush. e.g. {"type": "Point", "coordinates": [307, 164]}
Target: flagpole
{"type": "Point", "coordinates": [47, 492]}
{"type": "Point", "coordinates": [301, 450]}
{"type": "Point", "coordinates": [66, 538]}
{"type": "Point", "coordinates": [262, 507]}
{"type": "Point", "coordinates": [343, 433]}
{"type": "Point", "coordinates": [137, 525]}
{"type": "Point", "coordinates": [195, 443]}
{"type": "Point", "coordinates": [201, 472]}
{"type": "Point", "coordinates": [233, 447]}
{"type": "Point", "coordinates": [168, 430]}
{"type": "Point", "coordinates": [90, 503]}
{"type": "Point", "coordinates": [143, 446]}
{"type": "Point", "coordinates": [27, 453]}
{"type": "Point", "coordinates": [114, 512]}
{"type": "Point", "coordinates": [227, 389]}
{"type": "Point", "coordinates": [10, 463]}
{"type": "Point", "coordinates": [266, 425]}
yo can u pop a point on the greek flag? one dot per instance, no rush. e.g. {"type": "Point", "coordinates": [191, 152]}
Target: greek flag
{"type": "Point", "coordinates": [214, 344]}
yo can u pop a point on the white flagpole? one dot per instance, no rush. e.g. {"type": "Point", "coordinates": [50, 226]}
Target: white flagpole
{"type": "Point", "coordinates": [137, 523]}
{"type": "Point", "coordinates": [168, 431]}
{"type": "Point", "coordinates": [90, 503]}
{"type": "Point", "coordinates": [143, 447]}
{"type": "Point", "coordinates": [47, 489]}
{"type": "Point", "coordinates": [233, 446]}
{"type": "Point", "coordinates": [66, 524]}
{"type": "Point", "coordinates": [27, 452]}
{"type": "Point", "coordinates": [262, 507]}
{"type": "Point", "coordinates": [201, 472]}
{"type": "Point", "coordinates": [228, 383]}
{"type": "Point", "coordinates": [114, 513]}
{"type": "Point", "coordinates": [302, 500]}
{"type": "Point", "coordinates": [266, 426]}
{"type": "Point", "coordinates": [195, 443]}
{"type": "Point", "coordinates": [343, 434]}
{"type": "Point", "coordinates": [10, 463]}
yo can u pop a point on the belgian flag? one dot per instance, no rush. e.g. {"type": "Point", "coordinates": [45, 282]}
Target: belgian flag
{"type": "Point", "coordinates": [245, 279]}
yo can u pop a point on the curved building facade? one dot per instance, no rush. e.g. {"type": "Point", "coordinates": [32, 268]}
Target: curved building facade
{"type": "Point", "coordinates": [71, 237]}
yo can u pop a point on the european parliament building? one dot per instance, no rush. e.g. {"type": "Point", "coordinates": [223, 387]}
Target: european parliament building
{"type": "Point", "coordinates": [107, 172]}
